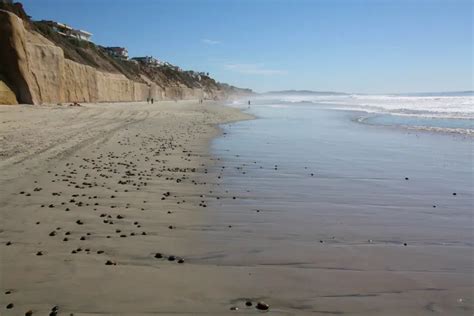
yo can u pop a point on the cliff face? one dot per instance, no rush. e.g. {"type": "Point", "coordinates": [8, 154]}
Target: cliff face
{"type": "Point", "coordinates": [35, 70]}
{"type": "Point", "coordinates": [14, 62]}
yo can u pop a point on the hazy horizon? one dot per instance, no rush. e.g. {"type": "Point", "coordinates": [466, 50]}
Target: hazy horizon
{"type": "Point", "coordinates": [383, 93]}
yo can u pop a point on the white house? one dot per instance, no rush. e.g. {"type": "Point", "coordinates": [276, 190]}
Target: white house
{"type": "Point", "coordinates": [66, 30]}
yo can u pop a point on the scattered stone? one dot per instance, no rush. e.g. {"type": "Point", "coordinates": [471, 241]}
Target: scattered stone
{"type": "Point", "coordinates": [262, 306]}
{"type": "Point", "coordinates": [10, 306]}
{"type": "Point", "coordinates": [248, 303]}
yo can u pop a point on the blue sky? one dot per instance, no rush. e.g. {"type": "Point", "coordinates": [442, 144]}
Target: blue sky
{"type": "Point", "coordinates": [353, 46]}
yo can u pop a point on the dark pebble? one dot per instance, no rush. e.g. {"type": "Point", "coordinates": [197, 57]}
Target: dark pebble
{"type": "Point", "coordinates": [248, 303]}
{"type": "Point", "coordinates": [262, 306]}
{"type": "Point", "coordinates": [10, 306]}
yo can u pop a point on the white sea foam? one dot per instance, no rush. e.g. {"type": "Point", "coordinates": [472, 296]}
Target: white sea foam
{"type": "Point", "coordinates": [448, 106]}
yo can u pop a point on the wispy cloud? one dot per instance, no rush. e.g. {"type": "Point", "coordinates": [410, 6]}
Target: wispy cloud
{"type": "Point", "coordinates": [209, 41]}
{"type": "Point", "coordinates": [253, 69]}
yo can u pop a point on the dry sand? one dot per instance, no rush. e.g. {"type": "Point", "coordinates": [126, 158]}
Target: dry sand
{"type": "Point", "coordinates": [81, 186]}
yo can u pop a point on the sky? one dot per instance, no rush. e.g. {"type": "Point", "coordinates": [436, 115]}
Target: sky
{"type": "Point", "coordinates": [372, 46]}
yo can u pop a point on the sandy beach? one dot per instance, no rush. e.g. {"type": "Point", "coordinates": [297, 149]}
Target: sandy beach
{"type": "Point", "coordinates": [138, 209]}
{"type": "Point", "coordinates": [98, 207]}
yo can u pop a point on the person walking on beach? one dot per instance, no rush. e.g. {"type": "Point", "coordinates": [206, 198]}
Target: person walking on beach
{"type": "Point", "coordinates": [151, 100]}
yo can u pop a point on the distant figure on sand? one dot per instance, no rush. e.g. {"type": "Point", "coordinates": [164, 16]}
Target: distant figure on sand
{"type": "Point", "coordinates": [151, 100]}
{"type": "Point", "coordinates": [147, 100]}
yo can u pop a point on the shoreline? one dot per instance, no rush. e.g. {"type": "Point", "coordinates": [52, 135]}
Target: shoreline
{"type": "Point", "coordinates": [91, 194]}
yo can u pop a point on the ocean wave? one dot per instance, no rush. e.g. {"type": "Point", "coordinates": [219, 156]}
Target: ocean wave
{"type": "Point", "coordinates": [369, 120]}
{"type": "Point", "coordinates": [448, 106]}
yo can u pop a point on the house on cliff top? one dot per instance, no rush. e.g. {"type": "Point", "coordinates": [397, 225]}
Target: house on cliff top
{"type": "Point", "coordinates": [148, 60]}
{"type": "Point", "coordinates": [120, 52]}
{"type": "Point", "coordinates": [66, 30]}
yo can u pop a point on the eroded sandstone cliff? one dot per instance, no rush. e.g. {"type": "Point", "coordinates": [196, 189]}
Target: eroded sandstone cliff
{"type": "Point", "coordinates": [35, 70]}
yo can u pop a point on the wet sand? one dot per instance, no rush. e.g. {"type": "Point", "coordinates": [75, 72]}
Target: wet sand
{"type": "Point", "coordinates": [336, 217]}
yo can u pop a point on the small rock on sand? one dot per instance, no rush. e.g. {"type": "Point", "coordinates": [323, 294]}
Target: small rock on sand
{"type": "Point", "coordinates": [262, 306]}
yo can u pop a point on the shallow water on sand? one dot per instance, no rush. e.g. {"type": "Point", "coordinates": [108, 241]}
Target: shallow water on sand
{"type": "Point", "coordinates": [316, 189]}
